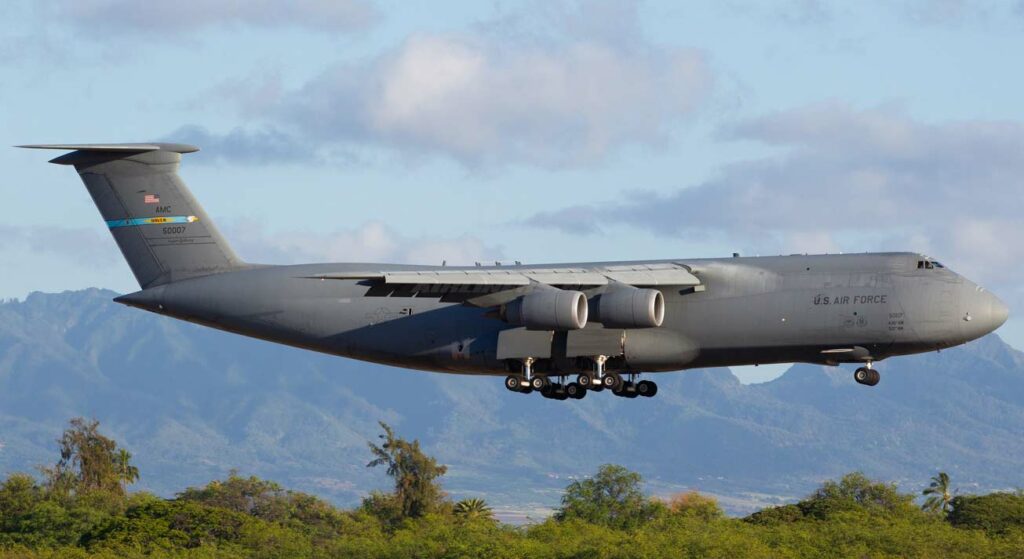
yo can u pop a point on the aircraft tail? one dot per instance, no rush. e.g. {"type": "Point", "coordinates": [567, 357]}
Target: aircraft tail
{"type": "Point", "coordinates": [164, 234]}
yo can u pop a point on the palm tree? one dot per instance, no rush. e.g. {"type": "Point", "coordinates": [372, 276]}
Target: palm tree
{"type": "Point", "coordinates": [473, 508]}
{"type": "Point", "coordinates": [938, 494]}
{"type": "Point", "coordinates": [126, 472]}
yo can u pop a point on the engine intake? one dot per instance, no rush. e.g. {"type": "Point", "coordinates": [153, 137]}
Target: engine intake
{"type": "Point", "coordinates": [630, 307]}
{"type": "Point", "coordinates": [549, 309]}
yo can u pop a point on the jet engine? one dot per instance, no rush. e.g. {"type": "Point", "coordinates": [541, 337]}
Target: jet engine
{"type": "Point", "coordinates": [629, 307]}
{"type": "Point", "coordinates": [548, 309]}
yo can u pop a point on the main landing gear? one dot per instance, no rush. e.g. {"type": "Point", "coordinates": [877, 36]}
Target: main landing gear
{"type": "Point", "coordinates": [597, 380]}
{"type": "Point", "coordinates": [867, 375]}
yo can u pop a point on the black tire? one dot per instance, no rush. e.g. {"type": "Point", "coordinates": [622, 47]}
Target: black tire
{"type": "Point", "coordinates": [646, 388]}
{"type": "Point", "coordinates": [862, 375]}
{"type": "Point", "coordinates": [585, 380]}
{"type": "Point", "coordinates": [558, 392]}
{"type": "Point", "coordinates": [612, 381]}
{"type": "Point", "coordinates": [575, 390]}
{"type": "Point", "coordinates": [627, 390]}
{"type": "Point", "coordinates": [596, 387]}
{"type": "Point", "coordinates": [875, 377]}
{"type": "Point", "coordinates": [512, 383]}
{"type": "Point", "coordinates": [539, 383]}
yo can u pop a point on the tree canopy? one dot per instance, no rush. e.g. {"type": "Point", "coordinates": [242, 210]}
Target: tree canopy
{"type": "Point", "coordinates": [417, 491]}
{"type": "Point", "coordinates": [613, 497]}
{"type": "Point", "coordinates": [995, 512]}
{"type": "Point", "coordinates": [605, 516]}
{"type": "Point", "coordinates": [90, 462]}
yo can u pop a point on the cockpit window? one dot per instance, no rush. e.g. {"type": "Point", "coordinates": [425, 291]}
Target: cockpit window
{"type": "Point", "coordinates": [937, 264]}
{"type": "Point", "coordinates": [928, 264]}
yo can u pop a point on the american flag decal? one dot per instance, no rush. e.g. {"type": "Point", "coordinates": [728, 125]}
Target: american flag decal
{"type": "Point", "coordinates": [151, 199]}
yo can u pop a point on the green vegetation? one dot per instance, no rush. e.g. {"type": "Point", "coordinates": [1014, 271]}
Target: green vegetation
{"type": "Point", "coordinates": [938, 498]}
{"type": "Point", "coordinates": [80, 509]}
{"type": "Point", "coordinates": [473, 509]}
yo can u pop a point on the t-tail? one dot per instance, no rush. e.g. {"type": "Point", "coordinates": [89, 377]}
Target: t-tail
{"type": "Point", "coordinates": [164, 234]}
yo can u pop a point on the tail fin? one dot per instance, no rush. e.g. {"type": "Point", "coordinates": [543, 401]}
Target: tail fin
{"type": "Point", "coordinates": [162, 231]}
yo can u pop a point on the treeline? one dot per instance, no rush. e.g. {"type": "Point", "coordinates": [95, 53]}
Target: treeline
{"type": "Point", "coordinates": [80, 508]}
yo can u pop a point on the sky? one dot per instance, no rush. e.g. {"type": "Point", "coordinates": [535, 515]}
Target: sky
{"type": "Point", "coordinates": [547, 131]}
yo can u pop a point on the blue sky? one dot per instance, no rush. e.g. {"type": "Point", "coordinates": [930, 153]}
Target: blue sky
{"type": "Point", "coordinates": [534, 131]}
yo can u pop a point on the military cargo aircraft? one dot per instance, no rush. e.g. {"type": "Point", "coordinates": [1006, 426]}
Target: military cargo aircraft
{"type": "Point", "coordinates": [561, 330]}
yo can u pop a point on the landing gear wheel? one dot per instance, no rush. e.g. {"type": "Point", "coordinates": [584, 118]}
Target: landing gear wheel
{"type": "Point", "coordinates": [585, 380]}
{"type": "Point", "coordinates": [646, 388]}
{"type": "Point", "coordinates": [513, 384]}
{"type": "Point", "coordinates": [627, 390]}
{"type": "Point", "coordinates": [612, 381]}
{"type": "Point", "coordinates": [866, 376]}
{"type": "Point", "coordinates": [575, 390]}
{"type": "Point", "coordinates": [539, 383]}
{"type": "Point", "coordinates": [596, 387]}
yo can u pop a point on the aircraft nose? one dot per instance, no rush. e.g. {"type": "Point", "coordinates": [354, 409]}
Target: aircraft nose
{"type": "Point", "coordinates": [998, 311]}
{"type": "Point", "coordinates": [984, 313]}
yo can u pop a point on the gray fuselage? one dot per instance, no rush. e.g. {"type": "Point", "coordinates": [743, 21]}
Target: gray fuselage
{"type": "Point", "coordinates": [802, 308]}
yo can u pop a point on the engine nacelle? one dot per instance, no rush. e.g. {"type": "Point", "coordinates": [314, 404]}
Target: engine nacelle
{"type": "Point", "coordinates": [629, 307]}
{"type": "Point", "coordinates": [548, 309]}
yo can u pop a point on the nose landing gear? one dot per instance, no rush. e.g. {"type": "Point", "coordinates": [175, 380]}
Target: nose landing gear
{"type": "Point", "coordinates": [867, 375]}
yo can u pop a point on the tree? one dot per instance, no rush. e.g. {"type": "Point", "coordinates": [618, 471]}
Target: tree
{"type": "Point", "coordinates": [19, 493]}
{"type": "Point", "coordinates": [855, 491]}
{"type": "Point", "coordinates": [127, 472]}
{"type": "Point", "coordinates": [88, 461]}
{"type": "Point", "coordinates": [774, 516]}
{"type": "Point", "coordinates": [694, 504]}
{"type": "Point", "coordinates": [417, 491]}
{"type": "Point", "coordinates": [994, 513]}
{"type": "Point", "coordinates": [249, 495]}
{"type": "Point", "coordinates": [611, 498]}
{"type": "Point", "coordinates": [938, 494]}
{"type": "Point", "coordinates": [471, 509]}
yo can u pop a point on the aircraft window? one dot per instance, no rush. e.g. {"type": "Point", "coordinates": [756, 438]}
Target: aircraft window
{"type": "Point", "coordinates": [920, 264]}
{"type": "Point", "coordinates": [928, 265]}
{"type": "Point", "coordinates": [938, 264]}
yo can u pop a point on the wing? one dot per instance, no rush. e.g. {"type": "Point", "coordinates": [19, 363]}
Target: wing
{"type": "Point", "coordinates": [494, 286]}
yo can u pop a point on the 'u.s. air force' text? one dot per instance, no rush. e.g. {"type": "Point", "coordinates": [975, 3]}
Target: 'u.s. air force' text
{"type": "Point", "coordinates": [850, 299]}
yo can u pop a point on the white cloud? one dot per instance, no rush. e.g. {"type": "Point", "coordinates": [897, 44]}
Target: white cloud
{"type": "Point", "coordinates": [483, 102]}
{"type": "Point", "coordinates": [264, 146]}
{"type": "Point", "coordinates": [84, 246]}
{"type": "Point", "coordinates": [851, 179]}
{"type": "Point", "coordinates": [371, 242]}
{"type": "Point", "coordinates": [132, 16]}
{"type": "Point", "coordinates": [566, 84]}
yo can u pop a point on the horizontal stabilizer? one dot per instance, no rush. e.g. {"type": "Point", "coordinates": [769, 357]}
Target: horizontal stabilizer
{"type": "Point", "coordinates": [119, 148]}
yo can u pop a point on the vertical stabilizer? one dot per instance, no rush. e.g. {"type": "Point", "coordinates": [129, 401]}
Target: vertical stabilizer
{"type": "Point", "coordinates": [164, 234]}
